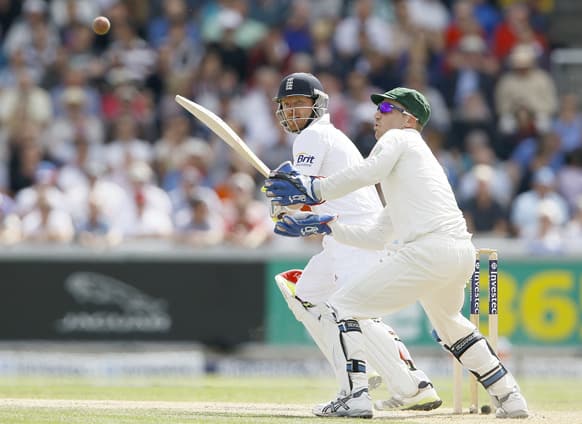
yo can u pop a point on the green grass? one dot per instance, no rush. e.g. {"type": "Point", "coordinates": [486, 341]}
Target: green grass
{"type": "Point", "coordinates": [542, 394]}
{"type": "Point", "coordinates": [211, 389]}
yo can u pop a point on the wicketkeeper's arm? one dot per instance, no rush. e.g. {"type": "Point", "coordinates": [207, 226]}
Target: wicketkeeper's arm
{"type": "Point", "coordinates": [373, 237]}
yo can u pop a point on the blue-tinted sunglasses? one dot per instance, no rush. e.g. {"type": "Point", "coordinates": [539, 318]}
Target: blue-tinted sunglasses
{"type": "Point", "coordinates": [386, 107]}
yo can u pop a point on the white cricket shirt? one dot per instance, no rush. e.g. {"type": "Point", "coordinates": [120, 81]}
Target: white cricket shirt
{"type": "Point", "coordinates": [321, 149]}
{"type": "Point", "coordinates": [420, 198]}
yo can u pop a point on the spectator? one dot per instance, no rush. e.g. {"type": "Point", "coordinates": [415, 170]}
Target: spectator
{"type": "Point", "coordinates": [522, 87]}
{"type": "Point", "coordinates": [404, 30]}
{"type": "Point", "coordinates": [363, 133]}
{"type": "Point", "coordinates": [25, 104]}
{"type": "Point", "coordinates": [178, 53]}
{"type": "Point", "coordinates": [479, 153]}
{"type": "Point", "coordinates": [89, 182]}
{"type": "Point", "coordinates": [487, 15]}
{"type": "Point", "coordinates": [573, 230]}
{"type": "Point", "coordinates": [189, 186]}
{"type": "Point", "coordinates": [45, 223]}
{"type": "Point", "coordinates": [232, 56]}
{"type": "Point", "coordinates": [463, 24]}
{"type": "Point", "coordinates": [248, 223]}
{"type": "Point", "coordinates": [297, 33]}
{"type": "Point", "coordinates": [10, 223]}
{"type": "Point", "coordinates": [9, 12]}
{"type": "Point", "coordinates": [547, 238]}
{"type": "Point", "coordinates": [45, 177]}
{"type": "Point", "coordinates": [124, 98]}
{"type": "Point", "coordinates": [97, 230]}
{"type": "Point", "coordinates": [568, 123]}
{"type": "Point", "coordinates": [260, 134]}
{"type": "Point", "coordinates": [173, 12]}
{"type": "Point", "coordinates": [431, 15]}
{"type": "Point", "coordinates": [339, 108]}
{"type": "Point", "coordinates": [64, 13]}
{"type": "Point", "coordinates": [448, 159]}
{"type": "Point", "coordinates": [31, 23]}
{"type": "Point", "coordinates": [75, 125]}
{"type": "Point", "coordinates": [515, 29]}
{"type": "Point", "coordinates": [25, 155]}
{"type": "Point", "coordinates": [130, 52]}
{"type": "Point", "coordinates": [484, 214]}
{"type": "Point", "coordinates": [10, 72]}
{"type": "Point", "coordinates": [526, 207]}
{"type": "Point", "coordinates": [150, 207]}
{"type": "Point", "coordinates": [125, 149]}
{"type": "Point", "coordinates": [535, 153]}
{"type": "Point", "coordinates": [570, 178]}
{"type": "Point", "coordinates": [168, 148]}
{"type": "Point", "coordinates": [471, 74]}
{"type": "Point", "coordinates": [270, 51]}
{"type": "Point", "coordinates": [271, 12]}
{"type": "Point", "coordinates": [199, 225]}
{"type": "Point", "coordinates": [78, 78]}
{"type": "Point", "coordinates": [363, 30]}
{"type": "Point", "coordinates": [324, 55]}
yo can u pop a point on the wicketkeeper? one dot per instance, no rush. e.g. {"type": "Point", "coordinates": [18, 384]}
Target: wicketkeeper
{"type": "Point", "coordinates": [432, 263]}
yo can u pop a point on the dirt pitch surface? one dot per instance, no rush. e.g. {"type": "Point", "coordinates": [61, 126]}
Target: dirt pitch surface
{"type": "Point", "coordinates": [441, 415]}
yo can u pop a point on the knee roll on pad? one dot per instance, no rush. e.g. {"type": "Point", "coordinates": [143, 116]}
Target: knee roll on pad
{"type": "Point", "coordinates": [462, 345]}
{"type": "Point", "coordinates": [486, 378]}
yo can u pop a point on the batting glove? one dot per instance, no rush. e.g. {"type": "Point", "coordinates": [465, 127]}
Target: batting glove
{"type": "Point", "coordinates": [286, 186]}
{"type": "Point", "coordinates": [303, 225]}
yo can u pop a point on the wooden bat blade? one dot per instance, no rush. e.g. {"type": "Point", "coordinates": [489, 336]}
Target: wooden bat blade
{"type": "Point", "coordinates": [224, 132]}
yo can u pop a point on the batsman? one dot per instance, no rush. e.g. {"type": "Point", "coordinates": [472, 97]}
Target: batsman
{"type": "Point", "coordinates": [430, 263]}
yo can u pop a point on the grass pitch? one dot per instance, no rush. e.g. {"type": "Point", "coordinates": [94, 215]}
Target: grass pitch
{"type": "Point", "coordinates": [25, 400]}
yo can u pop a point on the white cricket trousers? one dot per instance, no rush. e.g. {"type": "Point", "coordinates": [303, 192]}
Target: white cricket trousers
{"type": "Point", "coordinates": [331, 268]}
{"type": "Point", "coordinates": [433, 270]}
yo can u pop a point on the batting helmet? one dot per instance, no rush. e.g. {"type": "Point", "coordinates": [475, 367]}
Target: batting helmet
{"type": "Point", "coordinates": [301, 84]}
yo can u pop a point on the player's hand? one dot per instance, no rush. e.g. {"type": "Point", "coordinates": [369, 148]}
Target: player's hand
{"type": "Point", "coordinates": [304, 224]}
{"type": "Point", "coordinates": [286, 186]}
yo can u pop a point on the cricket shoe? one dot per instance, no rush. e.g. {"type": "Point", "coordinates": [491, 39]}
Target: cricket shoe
{"type": "Point", "coordinates": [512, 405]}
{"type": "Point", "coordinates": [357, 405]}
{"type": "Point", "coordinates": [426, 399]}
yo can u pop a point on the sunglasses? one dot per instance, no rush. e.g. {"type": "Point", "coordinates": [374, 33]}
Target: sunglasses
{"type": "Point", "coordinates": [386, 107]}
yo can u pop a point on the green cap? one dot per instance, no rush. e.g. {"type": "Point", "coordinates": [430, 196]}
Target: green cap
{"type": "Point", "coordinates": [412, 100]}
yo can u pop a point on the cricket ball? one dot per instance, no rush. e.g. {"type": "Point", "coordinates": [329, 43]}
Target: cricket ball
{"type": "Point", "coordinates": [101, 25]}
{"type": "Point", "coordinates": [485, 409]}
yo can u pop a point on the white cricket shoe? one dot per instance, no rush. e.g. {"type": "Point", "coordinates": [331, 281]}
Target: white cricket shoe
{"type": "Point", "coordinates": [426, 399]}
{"type": "Point", "coordinates": [357, 405]}
{"type": "Point", "coordinates": [512, 405]}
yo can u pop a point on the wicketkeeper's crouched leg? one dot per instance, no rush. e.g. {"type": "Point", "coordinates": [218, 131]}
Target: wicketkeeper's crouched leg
{"type": "Point", "coordinates": [472, 350]}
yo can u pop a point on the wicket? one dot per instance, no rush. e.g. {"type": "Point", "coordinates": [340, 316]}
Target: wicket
{"type": "Point", "coordinates": [474, 313]}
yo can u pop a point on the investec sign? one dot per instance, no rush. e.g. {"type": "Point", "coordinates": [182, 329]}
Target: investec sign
{"type": "Point", "coordinates": [120, 308]}
{"type": "Point", "coordinates": [493, 287]}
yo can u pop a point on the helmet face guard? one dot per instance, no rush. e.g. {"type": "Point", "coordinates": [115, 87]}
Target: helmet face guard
{"type": "Point", "coordinates": [301, 84]}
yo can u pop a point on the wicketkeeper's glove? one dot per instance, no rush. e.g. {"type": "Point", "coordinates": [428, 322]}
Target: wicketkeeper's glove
{"type": "Point", "coordinates": [286, 186]}
{"type": "Point", "coordinates": [303, 225]}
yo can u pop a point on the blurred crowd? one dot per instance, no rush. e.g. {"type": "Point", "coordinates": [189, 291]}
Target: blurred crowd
{"type": "Point", "coordinates": [94, 149]}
